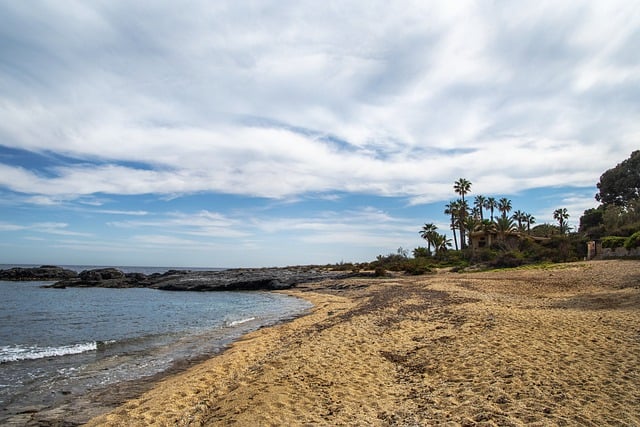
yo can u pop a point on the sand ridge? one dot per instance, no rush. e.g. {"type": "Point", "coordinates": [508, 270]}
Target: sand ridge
{"type": "Point", "coordinates": [552, 346]}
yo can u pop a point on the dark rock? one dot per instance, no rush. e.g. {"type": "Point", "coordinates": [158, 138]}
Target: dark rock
{"type": "Point", "coordinates": [43, 273]}
{"type": "Point", "coordinates": [244, 279]}
{"type": "Point", "coordinates": [104, 278]}
{"type": "Point", "coordinates": [225, 280]}
{"type": "Point", "coordinates": [101, 274]}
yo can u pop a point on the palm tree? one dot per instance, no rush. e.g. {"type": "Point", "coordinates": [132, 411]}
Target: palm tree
{"type": "Point", "coordinates": [519, 217]}
{"type": "Point", "coordinates": [462, 187]}
{"type": "Point", "coordinates": [427, 232]}
{"type": "Point", "coordinates": [471, 223]}
{"type": "Point", "coordinates": [487, 226]}
{"type": "Point", "coordinates": [491, 204]}
{"type": "Point", "coordinates": [440, 243]}
{"type": "Point", "coordinates": [504, 226]}
{"type": "Point", "coordinates": [562, 216]}
{"type": "Point", "coordinates": [462, 213]}
{"type": "Point", "coordinates": [451, 209]}
{"type": "Point", "coordinates": [530, 220]}
{"type": "Point", "coordinates": [504, 206]}
{"type": "Point", "coordinates": [479, 202]}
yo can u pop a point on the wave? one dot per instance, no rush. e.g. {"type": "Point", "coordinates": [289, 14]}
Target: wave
{"type": "Point", "coordinates": [240, 322]}
{"type": "Point", "coordinates": [18, 352]}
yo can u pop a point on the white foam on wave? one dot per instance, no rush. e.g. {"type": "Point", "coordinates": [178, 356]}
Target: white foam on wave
{"type": "Point", "coordinates": [18, 352]}
{"type": "Point", "coordinates": [240, 322]}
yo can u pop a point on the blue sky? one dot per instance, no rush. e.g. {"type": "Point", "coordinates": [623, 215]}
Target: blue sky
{"type": "Point", "coordinates": [230, 134]}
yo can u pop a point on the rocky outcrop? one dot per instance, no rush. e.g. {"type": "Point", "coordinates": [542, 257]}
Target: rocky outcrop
{"type": "Point", "coordinates": [104, 278]}
{"type": "Point", "coordinates": [226, 280]}
{"type": "Point", "coordinates": [43, 273]}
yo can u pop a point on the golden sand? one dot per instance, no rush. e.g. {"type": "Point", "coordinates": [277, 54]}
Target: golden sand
{"type": "Point", "coordinates": [544, 346]}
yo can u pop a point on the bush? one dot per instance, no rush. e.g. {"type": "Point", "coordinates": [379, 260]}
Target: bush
{"type": "Point", "coordinates": [485, 255]}
{"type": "Point", "coordinates": [507, 260]}
{"type": "Point", "coordinates": [417, 266]}
{"type": "Point", "coordinates": [613, 242]}
{"type": "Point", "coordinates": [421, 252]}
{"type": "Point", "coordinates": [380, 272]}
{"type": "Point", "coordinates": [632, 241]}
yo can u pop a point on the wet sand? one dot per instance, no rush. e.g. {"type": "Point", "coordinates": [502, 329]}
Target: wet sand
{"type": "Point", "coordinates": [544, 346]}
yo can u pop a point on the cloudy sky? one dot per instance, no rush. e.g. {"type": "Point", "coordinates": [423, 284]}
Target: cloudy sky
{"type": "Point", "coordinates": [258, 133]}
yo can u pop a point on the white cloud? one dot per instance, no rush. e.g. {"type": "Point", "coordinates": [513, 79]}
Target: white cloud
{"type": "Point", "coordinates": [57, 228]}
{"type": "Point", "coordinates": [281, 100]}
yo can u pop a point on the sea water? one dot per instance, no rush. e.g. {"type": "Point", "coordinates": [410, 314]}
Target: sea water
{"type": "Point", "coordinates": [59, 343]}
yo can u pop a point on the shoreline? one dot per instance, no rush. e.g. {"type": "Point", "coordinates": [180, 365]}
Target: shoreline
{"type": "Point", "coordinates": [73, 387]}
{"type": "Point", "coordinates": [237, 360]}
{"type": "Point", "coordinates": [554, 345]}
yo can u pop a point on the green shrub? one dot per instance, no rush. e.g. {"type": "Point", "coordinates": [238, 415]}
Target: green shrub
{"type": "Point", "coordinates": [417, 266]}
{"type": "Point", "coordinates": [485, 254]}
{"type": "Point", "coordinates": [421, 252]}
{"type": "Point", "coordinates": [632, 241]}
{"type": "Point", "coordinates": [507, 259]}
{"type": "Point", "coordinates": [613, 242]}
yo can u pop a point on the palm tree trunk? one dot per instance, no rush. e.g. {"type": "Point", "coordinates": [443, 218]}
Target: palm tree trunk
{"type": "Point", "coordinates": [455, 239]}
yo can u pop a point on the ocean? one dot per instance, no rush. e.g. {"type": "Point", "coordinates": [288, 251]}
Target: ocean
{"type": "Point", "coordinates": [57, 345]}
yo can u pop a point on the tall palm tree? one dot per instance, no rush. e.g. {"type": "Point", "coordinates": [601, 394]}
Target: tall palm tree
{"type": "Point", "coordinates": [519, 217]}
{"type": "Point", "coordinates": [461, 218]}
{"type": "Point", "coordinates": [427, 232]}
{"type": "Point", "coordinates": [451, 209]}
{"type": "Point", "coordinates": [562, 216]}
{"type": "Point", "coordinates": [475, 213]}
{"type": "Point", "coordinates": [479, 202]}
{"type": "Point", "coordinates": [462, 186]}
{"type": "Point", "coordinates": [530, 220]}
{"type": "Point", "coordinates": [504, 206]}
{"type": "Point", "coordinates": [490, 204]}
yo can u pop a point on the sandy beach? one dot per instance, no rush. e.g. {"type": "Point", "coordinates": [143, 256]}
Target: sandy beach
{"type": "Point", "coordinates": [541, 346]}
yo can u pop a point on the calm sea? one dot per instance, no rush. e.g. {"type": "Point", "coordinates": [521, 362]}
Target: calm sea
{"type": "Point", "coordinates": [58, 344]}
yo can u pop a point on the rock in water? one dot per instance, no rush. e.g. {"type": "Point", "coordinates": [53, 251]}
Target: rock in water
{"type": "Point", "coordinates": [44, 273]}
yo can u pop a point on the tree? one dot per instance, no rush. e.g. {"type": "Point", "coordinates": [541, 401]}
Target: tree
{"type": "Point", "coordinates": [487, 226]}
{"type": "Point", "coordinates": [491, 205]}
{"type": "Point", "coordinates": [462, 187]}
{"type": "Point", "coordinates": [504, 226]}
{"type": "Point", "coordinates": [621, 185]}
{"type": "Point", "coordinates": [519, 217]}
{"type": "Point", "coordinates": [504, 206]}
{"type": "Point", "coordinates": [530, 219]}
{"type": "Point", "coordinates": [470, 224]}
{"type": "Point", "coordinates": [440, 243]}
{"type": "Point", "coordinates": [463, 208]}
{"type": "Point", "coordinates": [479, 202]}
{"type": "Point", "coordinates": [561, 215]}
{"type": "Point", "coordinates": [427, 233]}
{"type": "Point", "coordinates": [591, 218]}
{"type": "Point", "coordinates": [451, 209]}
{"type": "Point", "coordinates": [421, 252]}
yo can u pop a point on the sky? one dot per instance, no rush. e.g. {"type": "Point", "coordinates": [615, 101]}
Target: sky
{"type": "Point", "coordinates": [272, 133]}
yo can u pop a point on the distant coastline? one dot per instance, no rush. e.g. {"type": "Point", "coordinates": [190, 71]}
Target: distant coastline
{"type": "Point", "coordinates": [124, 268]}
